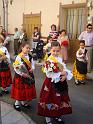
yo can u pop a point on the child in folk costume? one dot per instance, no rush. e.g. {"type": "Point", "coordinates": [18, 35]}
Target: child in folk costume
{"type": "Point", "coordinates": [54, 99]}
{"type": "Point", "coordinates": [80, 65]}
{"type": "Point", "coordinates": [23, 87]}
{"type": "Point", "coordinates": [5, 73]}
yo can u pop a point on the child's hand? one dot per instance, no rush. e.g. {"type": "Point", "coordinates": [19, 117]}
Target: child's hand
{"type": "Point", "coordinates": [63, 73]}
{"type": "Point", "coordinates": [24, 75]}
{"type": "Point", "coordinates": [3, 58]}
{"type": "Point", "coordinates": [31, 70]}
{"type": "Point", "coordinates": [80, 52]}
{"type": "Point", "coordinates": [63, 77]}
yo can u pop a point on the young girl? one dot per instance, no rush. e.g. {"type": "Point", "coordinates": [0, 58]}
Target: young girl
{"type": "Point", "coordinates": [23, 87]}
{"type": "Point", "coordinates": [54, 99]}
{"type": "Point", "coordinates": [53, 33]}
{"type": "Point", "coordinates": [36, 38]}
{"type": "Point", "coordinates": [5, 74]}
{"type": "Point", "coordinates": [80, 65]}
{"type": "Point", "coordinates": [64, 42]}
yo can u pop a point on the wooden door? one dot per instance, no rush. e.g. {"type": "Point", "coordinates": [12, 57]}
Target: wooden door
{"type": "Point", "coordinates": [30, 21]}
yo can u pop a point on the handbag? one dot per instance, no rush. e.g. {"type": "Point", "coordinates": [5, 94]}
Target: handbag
{"type": "Point", "coordinates": [64, 43]}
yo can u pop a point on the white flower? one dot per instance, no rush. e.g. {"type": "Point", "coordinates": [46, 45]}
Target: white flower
{"type": "Point", "coordinates": [52, 65]}
{"type": "Point", "coordinates": [50, 69]}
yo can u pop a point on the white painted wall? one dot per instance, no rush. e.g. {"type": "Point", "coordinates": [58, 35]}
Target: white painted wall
{"type": "Point", "coordinates": [1, 11]}
{"type": "Point", "coordinates": [49, 11]}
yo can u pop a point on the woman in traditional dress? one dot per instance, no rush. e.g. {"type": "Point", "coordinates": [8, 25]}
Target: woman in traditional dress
{"type": "Point", "coordinates": [64, 42]}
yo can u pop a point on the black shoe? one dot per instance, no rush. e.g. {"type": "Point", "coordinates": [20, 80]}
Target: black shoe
{"type": "Point", "coordinates": [59, 120]}
{"type": "Point", "coordinates": [77, 82]}
{"type": "Point", "coordinates": [26, 105]}
{"type": "Point", "coordinates": [82, 82]}
{"type": "Point", "coordinates": [17, 107]}
{"type": "Point", "coordinates": [6, 92]}
{"type": "Point", "coordinates": [1, 94]}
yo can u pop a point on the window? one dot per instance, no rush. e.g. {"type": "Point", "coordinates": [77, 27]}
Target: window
{"type": "Point", "coordinates": [75, 21]}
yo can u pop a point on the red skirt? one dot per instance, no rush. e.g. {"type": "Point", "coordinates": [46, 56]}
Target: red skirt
{"type": "Point", "coordinates": [53, 103]}
{"type": "Point", "coordinates": [5, 78]}
{"type": "Point", "coordinates": [21, 91]}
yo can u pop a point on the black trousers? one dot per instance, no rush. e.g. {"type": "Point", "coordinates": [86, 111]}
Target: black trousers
{"type": "Point", "coordinates": [16, 46]}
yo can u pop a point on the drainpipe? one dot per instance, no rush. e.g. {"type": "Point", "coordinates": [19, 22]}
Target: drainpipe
{"type": "Point", "coordinates": [3, 14]}
{"type": "Point", "coordinates": [6, 15]}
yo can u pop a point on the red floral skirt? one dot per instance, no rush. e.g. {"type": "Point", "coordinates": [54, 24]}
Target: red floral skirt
{"type": "Point", "coordinates": [22, 91]}
{"type": "Point", "coordinates": [5, 78]}
{"type": "Point", "coordinates": [53, 103]}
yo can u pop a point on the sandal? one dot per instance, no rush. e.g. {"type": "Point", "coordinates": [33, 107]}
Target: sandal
{"type": "Point", "coordinates": [17, 107]}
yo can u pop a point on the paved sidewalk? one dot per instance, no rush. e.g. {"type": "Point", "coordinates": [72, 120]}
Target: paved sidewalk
{"type": "Point", "coordinates": [11, 116]}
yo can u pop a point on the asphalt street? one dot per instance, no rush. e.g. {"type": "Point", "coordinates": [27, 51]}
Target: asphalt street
{"type": "Point", "coordinates": [81, 99]}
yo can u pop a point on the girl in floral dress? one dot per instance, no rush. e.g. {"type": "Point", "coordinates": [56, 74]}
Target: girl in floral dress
{"type": "Point", "coordinates": [54, 99]}
{"type": "Point", "coordinates": [23, 87]}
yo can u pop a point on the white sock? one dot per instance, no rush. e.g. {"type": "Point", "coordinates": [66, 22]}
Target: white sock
{"type": "Point", "coordinates": [48, 120]}
{"type": "Point", "coordinates": [59, 119]}
{"type": "Point", "coordinates": [5, 89]}
{"type": "Point", "coordinates": [17, 102]}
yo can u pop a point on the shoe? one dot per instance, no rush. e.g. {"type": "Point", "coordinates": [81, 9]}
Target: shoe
{"type": "Point", "coordinates": [17, 107]}
{"type": "Point", "coordinates": [82, 82]}
{"type": "Point", "coordinates": [77, 82]}
{"type": "Point", "coordinates": [26, 105]}
{"type": "Point", "coordinates": [59, 120]}
{"type": "Point", "coordinates": [1, 94]}
{"type": "Point", "coordinates": [6, 91]}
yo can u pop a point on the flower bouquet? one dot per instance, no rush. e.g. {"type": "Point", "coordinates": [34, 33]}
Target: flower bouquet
{"type": "Point", "coordinates": [51, 67]}
{"type": "Point", "coordinates": [26, 75]}
{"type": "Point", "coordinates": [56, 79]}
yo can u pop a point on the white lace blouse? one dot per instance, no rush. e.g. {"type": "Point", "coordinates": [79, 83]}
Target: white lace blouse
{"type": "Point", "coordinates": [21, 63]}
{"type": "Point", "coordinates": [5, 51]}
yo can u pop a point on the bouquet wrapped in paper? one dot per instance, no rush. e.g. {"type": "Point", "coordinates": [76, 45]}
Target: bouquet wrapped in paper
{"type": "Point", "coordinates": [27, 76]}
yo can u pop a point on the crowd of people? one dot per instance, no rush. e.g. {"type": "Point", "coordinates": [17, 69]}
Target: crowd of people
{"type": "Point", "coordinates": [54, 99]}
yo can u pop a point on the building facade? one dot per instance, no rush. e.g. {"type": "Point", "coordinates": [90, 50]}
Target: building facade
{"type": "Point", "coordinates": [68, 14]}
